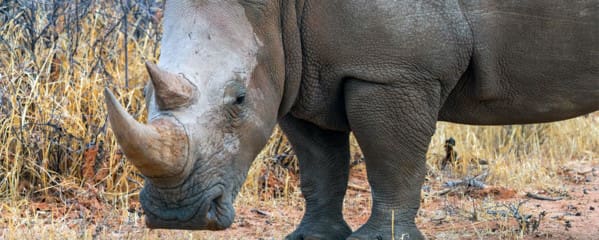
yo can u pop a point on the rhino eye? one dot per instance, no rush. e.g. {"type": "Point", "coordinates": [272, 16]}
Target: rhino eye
{"type": "Point", "coordinates": [240, 99]}
{"type": "Point", "coordinates": [235, 94]}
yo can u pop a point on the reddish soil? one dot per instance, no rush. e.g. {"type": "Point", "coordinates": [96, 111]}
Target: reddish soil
{"type": "Point", "coordinates": [576, 216]}
{"type": "Point", "coordinates": [460, 214]}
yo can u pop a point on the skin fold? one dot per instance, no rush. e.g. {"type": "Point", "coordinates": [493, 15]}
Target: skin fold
{"type": "Point", "coordinates": [385, 70]}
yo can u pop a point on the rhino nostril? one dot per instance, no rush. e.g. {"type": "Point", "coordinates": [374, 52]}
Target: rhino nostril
{"type": "Point", "coordinates": [214, 208]}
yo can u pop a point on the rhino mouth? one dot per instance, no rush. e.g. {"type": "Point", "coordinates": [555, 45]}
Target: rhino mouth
{"type": "Point", "coordinates": [210, 210]}
{"type": "Point", "coordinates": [220, 214]}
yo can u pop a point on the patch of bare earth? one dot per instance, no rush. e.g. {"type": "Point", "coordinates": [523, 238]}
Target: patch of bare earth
{"type": "Point", "coordinates": [501, 213]}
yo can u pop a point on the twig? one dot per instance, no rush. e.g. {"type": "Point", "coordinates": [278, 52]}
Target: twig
{"type": "Point", "coordinates": [125, 7]}
{"type": "Point", "coordinates": [443, 192]}
{"type": "Point", "coordinates": [541, 197]}
{"type": "Point", "coordinates": [260, 212]}
{"type": "Point", "coordinates": [358, 188]}
{"type": "Point", "coordinates": [130, 179]}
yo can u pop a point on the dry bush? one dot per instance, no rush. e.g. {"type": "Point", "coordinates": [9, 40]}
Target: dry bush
{"type": "Point", "coordinates": [56, 57]}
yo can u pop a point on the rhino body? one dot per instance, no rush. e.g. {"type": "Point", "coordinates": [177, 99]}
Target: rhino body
{"type": "Point", "coordinates": [386, 70]}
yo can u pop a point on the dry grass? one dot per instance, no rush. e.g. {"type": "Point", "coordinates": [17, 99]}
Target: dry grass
{"type": "Point", "coordinates": [57, 56]}
{"type": "Point", "coordinates": [54, 70]}
{"type": "Point", "coordinates": [522, 156]}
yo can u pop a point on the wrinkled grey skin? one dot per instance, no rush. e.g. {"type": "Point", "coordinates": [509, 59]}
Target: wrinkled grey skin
{"type": "Point", "coordinates": [386, 70]}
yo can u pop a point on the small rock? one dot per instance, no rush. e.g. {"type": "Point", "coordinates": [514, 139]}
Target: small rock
{"type": "Point", "coordinates": [439, 216]}
{"type": "Point", "coordinates": [568, 225]}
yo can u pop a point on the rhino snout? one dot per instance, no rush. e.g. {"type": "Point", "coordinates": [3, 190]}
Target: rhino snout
{"type": "Point", "coordinates": [211, 210]}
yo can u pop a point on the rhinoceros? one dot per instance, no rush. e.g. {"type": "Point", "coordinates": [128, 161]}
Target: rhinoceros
{"type": "Point", "coordinates": [386, 70]}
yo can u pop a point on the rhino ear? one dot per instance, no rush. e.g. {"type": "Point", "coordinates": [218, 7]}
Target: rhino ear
{"type": "Point", "coordinates": [172, 91]}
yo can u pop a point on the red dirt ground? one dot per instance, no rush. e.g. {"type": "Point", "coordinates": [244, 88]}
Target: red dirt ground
{"type": "Point", "coordinates": [460, 214]}
{"type": "Point", "coordinates": [451, 216]}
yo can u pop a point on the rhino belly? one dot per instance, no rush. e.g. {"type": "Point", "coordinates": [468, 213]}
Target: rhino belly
{"type": "Point", "coordinates": [533, 61]}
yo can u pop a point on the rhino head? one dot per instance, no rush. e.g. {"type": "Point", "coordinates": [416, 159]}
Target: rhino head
{"type": "Point", "coordinates": [212, 102]}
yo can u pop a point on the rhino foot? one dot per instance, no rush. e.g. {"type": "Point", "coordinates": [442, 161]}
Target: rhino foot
{"type": "Point", "coordinates": [384, 232]}
{"type": "Point", "coordinates": [320, 231]}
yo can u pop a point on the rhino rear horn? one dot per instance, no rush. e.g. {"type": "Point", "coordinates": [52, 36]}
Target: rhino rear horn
{"type": "Point", "coordinates": [158, 149]}
{"type": "Point", "coordinates": [172, 91]}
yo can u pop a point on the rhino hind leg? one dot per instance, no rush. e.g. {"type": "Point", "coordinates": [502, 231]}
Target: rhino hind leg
{"type": "Point", "coordinates": [393, 125]}
{"type": "Point", "coordinates": [324, 167]}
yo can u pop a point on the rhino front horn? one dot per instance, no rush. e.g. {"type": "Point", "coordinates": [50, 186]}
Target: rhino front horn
{"type": "Point", "coordinates": [172, 91]}
{"type": "Point", "coordinates": [158, 149]}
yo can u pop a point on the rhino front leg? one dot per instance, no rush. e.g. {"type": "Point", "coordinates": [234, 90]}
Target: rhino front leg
{"type": "Point", "coordinates": [393, 125]}
{"type": "Point", "coordinates": [324, 167]}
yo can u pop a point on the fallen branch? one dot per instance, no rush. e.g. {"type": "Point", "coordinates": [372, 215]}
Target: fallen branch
{"type": "Point", "coordinates": [443, 192]}
{"type": "Point", "coordinates": [475, 182]}
{"type": "Point", "coordinates": [585, 172]}
{"type": "Point", "coordinates": [358, 188]}
{"type": "Point", "coordinates": [527, 223]}
{"type": "Point", "coordinates": [260, 212]}
{"type": "Point", "coordinates": [541, 197]}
